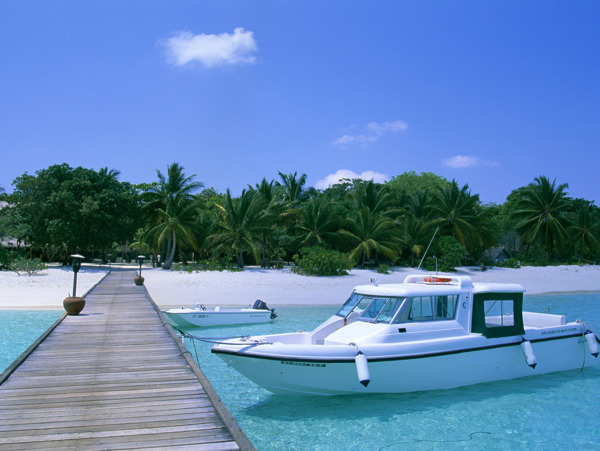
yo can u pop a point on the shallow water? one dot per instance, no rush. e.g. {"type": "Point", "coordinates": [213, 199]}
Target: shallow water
{"type": "Point", "coordinates": [549, 411]}
{"type": "Point", "coordinates": [19, 329]}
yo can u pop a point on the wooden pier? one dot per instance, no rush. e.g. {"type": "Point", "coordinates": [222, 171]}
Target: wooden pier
{"type": "Point", "coordinates": [113, 377]}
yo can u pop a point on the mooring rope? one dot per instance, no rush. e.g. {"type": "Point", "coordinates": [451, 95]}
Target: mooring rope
{"type": "Point", "coordinates": [220, 340]}
{"type": "Point", "coordinates": [583, 329]}
{"type": "Point", "coordinates": [586, 327]}
{"type": "Point", "coordinates": [437, 441]}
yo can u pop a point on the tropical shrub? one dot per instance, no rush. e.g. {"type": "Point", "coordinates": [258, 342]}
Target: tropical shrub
{"type": "Point", "coordinates": [449, 254]}
{"type": "Point", "coordinates": [207, 265]}
{"type": "Point", "coordinates": [4, 258]}
{"type": "Point", "coordinates": [509, 263]}
{"type": "Point", "coordinates": [29, 266]}
{"type": "Point", "coordinates": [384, 269]}
{"type": "Point", "coordinates": [317, 261]}
{"type": "Point", "coordinates": [536, 255]}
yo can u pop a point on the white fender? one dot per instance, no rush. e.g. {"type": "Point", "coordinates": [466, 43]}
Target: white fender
{"type": "Point", "coordinates": [362, 368]}
{"type": "Point", "coordinates": [592, 343]}
{"type": "Point", "coordinates": [528, 353]}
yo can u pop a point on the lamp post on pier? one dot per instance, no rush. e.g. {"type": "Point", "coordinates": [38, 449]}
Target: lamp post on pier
{"type": "Point", "coordinates": [139, 280]}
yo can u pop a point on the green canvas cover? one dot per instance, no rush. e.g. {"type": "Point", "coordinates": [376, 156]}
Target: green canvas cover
{"type": "Point", "coordinates": [479, 313]}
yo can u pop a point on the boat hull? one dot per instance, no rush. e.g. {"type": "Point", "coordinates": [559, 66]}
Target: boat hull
{"type": "Point", "coordinates": [449, 368]}
{"type": "Point", "coordinates": [223, 317]}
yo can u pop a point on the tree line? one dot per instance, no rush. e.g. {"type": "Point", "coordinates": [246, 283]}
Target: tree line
{"type": "Point", "coordinates": [413, 219]}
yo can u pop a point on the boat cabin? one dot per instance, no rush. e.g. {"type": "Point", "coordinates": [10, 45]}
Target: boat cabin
{"type": "Point", "coordinates": [422, 302]}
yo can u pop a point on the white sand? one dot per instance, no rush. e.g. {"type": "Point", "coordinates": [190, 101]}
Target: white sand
{"type": "Point", "coordinates": [276, 287]}
{"type": "Point", "coordinates": [45, 290]}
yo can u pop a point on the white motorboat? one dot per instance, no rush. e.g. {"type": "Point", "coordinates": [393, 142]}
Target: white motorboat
{"type": "Point", "coordinates": [430, 332]}
{"type": "Point", "coordinates": [200, 316]}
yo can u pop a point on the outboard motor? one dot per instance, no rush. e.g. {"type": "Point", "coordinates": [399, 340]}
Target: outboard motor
{"type": "Point", "coordinates": [261, 305]}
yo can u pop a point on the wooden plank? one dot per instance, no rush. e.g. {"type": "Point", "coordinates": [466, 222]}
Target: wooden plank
{"type": "Point", "coordinates": [21, 408]}
{"type": "Point", "coordinates": [183, 441]}
{"type": "Point", "coordinates": [116, 376]}
{"type": "Point", "coordinates": [124, 434]}
{"type": "Point", "coordinates": [114, 413]}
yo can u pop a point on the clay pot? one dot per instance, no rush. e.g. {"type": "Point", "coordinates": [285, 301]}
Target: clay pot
{"type": "Point", "coordinates": [73, 305]}
{"type": "Point", "coordinates": [138, 280]}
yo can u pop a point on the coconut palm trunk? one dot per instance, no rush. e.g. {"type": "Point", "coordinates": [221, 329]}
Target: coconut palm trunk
{"type": "Point", "coordinates": [171, 251]}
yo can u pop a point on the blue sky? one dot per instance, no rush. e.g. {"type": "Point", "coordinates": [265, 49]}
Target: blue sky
{"type": "Point", "coordinates": [490, 93]}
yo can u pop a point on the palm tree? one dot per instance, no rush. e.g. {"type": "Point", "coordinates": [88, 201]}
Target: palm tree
{"type": "Point", "coordinates": [319, 223]}
{"type": "Point", "coordinates": [292, 188]}
{"type": "Point", "coordinates": [416, 234]}
{"type": "Point", "coordinates": [419, 204]}
{"type": "Point", "coordinates": [585, 231]}
{"type": "Point", "coordinates": [459, 214]}
{"type": "Point", "coordinates": [203, 224]}
{"type": "Point", "coordinates": [372, 234]}
{"type": "Point", "coordinates": [269, 194]}
{"type": "Point", "coordinates": [109, 172]}
{"type": "Point", "coordinates": [172, 210]}
{"type": "Point", "coordinates": [268, 191]}
{"type": "Point", "coordinates": [373, 196]}
{"type": "Point", "coordinates": [541, 213]}
{"type": "Point", "coordinates": [292, 195]}
{"type": "Point", "coordinates": [241, 221]}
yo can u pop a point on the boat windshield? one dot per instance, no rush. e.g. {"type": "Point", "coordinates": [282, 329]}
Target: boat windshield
{"type": "Point", "coordinates": [371, 308]}
{"type": "Point", "coordinates": [349, 305]}
{"type": "Point", "coordinates": [397, 310]}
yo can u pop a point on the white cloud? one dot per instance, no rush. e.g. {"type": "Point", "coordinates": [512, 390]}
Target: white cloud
{"type": "Point", "coordinates": [373, 132]}
{"type": "Point", "coordinates": [211, 49]}
{"type": "Point", "coordinates": [332, 179]}
{"type": "Point", "coordinates": [379, 129]}
{"type": "Point", "coordinates": [467, 161]}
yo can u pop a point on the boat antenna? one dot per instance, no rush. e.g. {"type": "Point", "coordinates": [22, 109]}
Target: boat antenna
{"type": "Point", "coordinates": [434, 233]}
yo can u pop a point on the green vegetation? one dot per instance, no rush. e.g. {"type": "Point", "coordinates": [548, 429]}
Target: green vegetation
{"type": "Point", "coordinates": [29, 266]}
{"type": "Point", "coordinates": [446, 255]}
{"type": "Point", "coordinates": [316, 261]}
{"type": "Point", "coordinates": [62, 210]}
{"type": "Point", "coordinates": [171, 211]}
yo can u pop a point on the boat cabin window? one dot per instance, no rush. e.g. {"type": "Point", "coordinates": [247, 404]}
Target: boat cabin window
{"type": "Point", "coordinates": [389, 310]}
{"type": "Point", "coordinates": [371, 308]}
{"type": "Point", "coordinates": [428, 308]}
{"type": "Point", "coordinates": [499, 313]}
{"type": "Point", "coordinates": [398, 309]}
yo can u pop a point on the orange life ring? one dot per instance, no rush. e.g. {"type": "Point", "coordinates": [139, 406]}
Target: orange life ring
{"type": "Point", "coordinates": [436, 280]}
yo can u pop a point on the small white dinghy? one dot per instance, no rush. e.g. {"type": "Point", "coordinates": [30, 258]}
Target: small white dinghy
{"type": "Point", "coordinates": [427, 333]}
{"type": "Point", "coordinates": [200, 316]}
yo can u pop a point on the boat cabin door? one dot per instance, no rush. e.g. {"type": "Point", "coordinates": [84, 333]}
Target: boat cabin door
{"type": "Point", "coordinates": [498, 314]}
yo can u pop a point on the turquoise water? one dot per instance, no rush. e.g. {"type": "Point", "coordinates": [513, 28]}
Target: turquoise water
{"type": "Point", "coordinates": [20, 329]}
{"type": "Point", "coordinates": [558, 410]}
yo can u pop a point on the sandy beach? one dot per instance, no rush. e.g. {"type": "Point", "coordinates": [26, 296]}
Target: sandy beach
{"type": "Point", "coordinates": [47, 289]}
